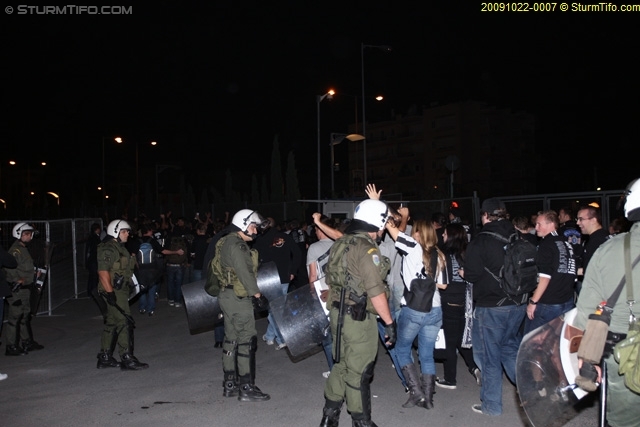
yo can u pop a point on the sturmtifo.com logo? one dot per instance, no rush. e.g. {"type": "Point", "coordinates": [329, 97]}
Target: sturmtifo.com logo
{"type": "Point", "coordinates": [70, 9]}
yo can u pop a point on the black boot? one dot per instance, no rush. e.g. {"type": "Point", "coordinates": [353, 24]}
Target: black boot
{"type": "Point", "coordinates": [128, 362]}
{"type": "Point", "coordinates": [13, 350]}
{"type": "Point", "coordinates": [31, 345]}
{"type": "Point", "coordinates": [358, 420]}
{"type": "Point", "coordinates": [106, 360]}
{"type": "Point", "coordinates": [331, 413]}
{"type": "Point", "coordinates": [428, 388]}
{"type": "Point", "coordinates": [229, 384]}
{"type": "Point", "coordinates": [249, 392]}
{"type": "Point", "coordinates": [412, 378]}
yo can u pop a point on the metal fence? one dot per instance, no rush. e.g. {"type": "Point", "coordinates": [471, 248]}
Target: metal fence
{"type": "Point", "coordinates": [60, 245]}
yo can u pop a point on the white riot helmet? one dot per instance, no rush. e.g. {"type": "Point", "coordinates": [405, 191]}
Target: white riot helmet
{"type": "Point", "coordinates": [117, 225]}
{"type": "Point", "coordinates": [20, 227]}
{"type": "Point", "coordinates": [372, 212]}
{"type": "Point", "coordinates": [632, 203]}
{"type": "Point", "coordinates": [245, 217]}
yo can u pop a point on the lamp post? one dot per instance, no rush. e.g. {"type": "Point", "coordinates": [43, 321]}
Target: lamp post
{"type": "Point", "coordinates": [364, 121]}
{"type": "Point", "coordinates": [119, 141]}
{"type": "Point", "coordinates": [337, 138]}
{"type": "Point", "coordinates": [319, 99]}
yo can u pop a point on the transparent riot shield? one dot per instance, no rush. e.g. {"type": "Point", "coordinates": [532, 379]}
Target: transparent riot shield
{"type": "Point", "coordinates": [301, 320]}
{"type": "Point", "coordinates": [546, 368]}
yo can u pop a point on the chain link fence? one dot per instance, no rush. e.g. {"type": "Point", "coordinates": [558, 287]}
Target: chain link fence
{"type": "Point", "coordinates": [60, 246]}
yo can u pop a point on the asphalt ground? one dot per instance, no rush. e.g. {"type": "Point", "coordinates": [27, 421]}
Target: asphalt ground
{"type": "Point", "coordinates": [60, 385]}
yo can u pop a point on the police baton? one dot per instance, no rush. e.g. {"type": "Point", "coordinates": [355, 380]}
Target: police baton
{"type": "Point", "coordinates": [336, 357]}
{"type": "Point", "coordinates": [126, 316]}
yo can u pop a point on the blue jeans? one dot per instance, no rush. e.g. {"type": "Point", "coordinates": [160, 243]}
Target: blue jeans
{"type": "Point", "coordinates": [496, 338]}
{"type": "Point", "coordinates": [272, 332]}
{"type": "Point", "coordinates": [147, 299]}
{"type": "Point", "coordinates": [545, 313]}
{"type": "Point", "coordinates": [425, 326]}
{"type": "Point", "coordinates": [393, 354]}
{"type": "Point", "coordinates": [174, 283]}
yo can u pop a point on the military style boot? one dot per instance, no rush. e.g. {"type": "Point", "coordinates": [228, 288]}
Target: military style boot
{"type": "Point", "coordinates": [30, 344]}
{"type": "Point", "coordinates": [249, 392]}
{"type": "Point", "coordinates": [428, 388]}
{"type": "Point", "coordinates": [229, 384]}
{"type": "Point", "coordinates": [331, 413]}
{"type": "Point", "coordinates": [106, 360]}
{"type": "Point", "coordinates": [14, 350]}
{"type": "Point", "coordinates": [412, 378]}
{"type": "Point", "coordinates": [128, 362]}
{"type": "Point", "coordinates": [360, 420]}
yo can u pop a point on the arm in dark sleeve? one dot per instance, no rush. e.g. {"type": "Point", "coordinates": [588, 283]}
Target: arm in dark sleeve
{"type": "Point", "coordinates": [473, 267]}
{"type": "Point", "coordinates": [296, 256]}
{"type": "Point", "coordinates": [7, 260]}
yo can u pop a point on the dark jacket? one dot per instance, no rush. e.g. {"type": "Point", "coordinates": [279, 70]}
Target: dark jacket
{"type": "Point", "coordinates": [6, 261]}
{"type": "Point", "coordinates": [279, 247]}
{"type": "Point", "coordinates": [487, 251]}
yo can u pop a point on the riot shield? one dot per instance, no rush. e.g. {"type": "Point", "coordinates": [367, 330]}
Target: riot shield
{"type": "Point", "coordinates": [546, 367]}
{"type": "Point", "coordinates": [203, 310]}
{"type": "Point", "coordinates": [301, 320]}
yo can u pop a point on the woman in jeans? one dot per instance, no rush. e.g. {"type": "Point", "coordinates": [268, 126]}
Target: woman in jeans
{"type": "Point", "coordinates": [417, 250]}
{"type": "Point", "coordinates": [454, 303]}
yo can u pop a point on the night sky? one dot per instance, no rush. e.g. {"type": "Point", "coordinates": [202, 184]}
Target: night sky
{"type": "Point", "coordinates": [215, 83]}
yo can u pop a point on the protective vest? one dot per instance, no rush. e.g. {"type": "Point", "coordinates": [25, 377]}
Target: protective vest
{"type": "Point", "coordinates": [227, 274]}
{"type": "Point", "coordinates": [124, 263]}
{"type": "Point", "coordinates": [339, 275]}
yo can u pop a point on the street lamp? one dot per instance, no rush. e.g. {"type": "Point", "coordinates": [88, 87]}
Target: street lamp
{"type": "Point", "coordinates": [119, 141]}
{"type": "Point", "coordinates": [319, 99]}
{"type": "Point", "coordinates": [337, 138]}
{"type": "Point", "coordinates": [154, 143]}
{"type": "Point", "coordinates": [364, 121]}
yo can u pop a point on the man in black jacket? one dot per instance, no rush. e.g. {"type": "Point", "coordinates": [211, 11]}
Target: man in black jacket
{"type": "Point", "coordinates": [497, 319]}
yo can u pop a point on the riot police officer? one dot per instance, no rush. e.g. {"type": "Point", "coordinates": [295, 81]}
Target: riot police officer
{"type": "Point", "coordinates": [239, 294]}
{"type": "Point", "coordinates": [355, 274]}
{"type": "Point", "coordinates": [19, 334]}
{"type": "Point", "coordinates": [115, 269]}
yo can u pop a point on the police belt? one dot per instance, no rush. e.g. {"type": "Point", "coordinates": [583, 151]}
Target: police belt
{"type": "Point", "coordinates": [347, 308]}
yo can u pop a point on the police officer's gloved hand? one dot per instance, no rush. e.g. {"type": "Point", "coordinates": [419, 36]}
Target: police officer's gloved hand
{"type": "Point", "coordinates": [111, 298]}
{"type": "Point", "coordinates": [390, 331]}
{"type": "Point", "coordinates": [261, 303]}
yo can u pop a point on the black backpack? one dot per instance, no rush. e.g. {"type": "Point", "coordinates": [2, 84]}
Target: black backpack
{"type": "Point", "coordinates": [519, 273]}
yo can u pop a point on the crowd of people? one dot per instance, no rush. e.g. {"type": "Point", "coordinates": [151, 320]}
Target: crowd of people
{"type": "Point", "coordinates": [391, 275]}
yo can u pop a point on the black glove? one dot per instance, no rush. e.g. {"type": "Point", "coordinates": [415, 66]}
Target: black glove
{"type": "Point", "coordinates": [390, 332]}
{"type": "Point", "coordinates": [111, 298]}
{"type": "Point", "coordinates": [261, 303]}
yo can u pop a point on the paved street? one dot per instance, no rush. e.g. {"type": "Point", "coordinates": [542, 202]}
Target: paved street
{"type": "Point", "coordinates": [60, 385]}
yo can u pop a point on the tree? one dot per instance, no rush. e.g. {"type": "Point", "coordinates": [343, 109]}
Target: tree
{"type": "Point", "coordinates": [277, 193]}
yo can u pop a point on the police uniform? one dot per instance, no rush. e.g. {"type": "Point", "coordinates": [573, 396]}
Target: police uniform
{"type": "Point", "coordinates": [366, 269]}
{"type": "Point", "coordinates": [118, 326]}
{"type": "Point", "coordinates": [19, 339]}
{"type": "Point", "coordinates": [606, 268]}
{"type": "Point", "coordinates": [238, 284]}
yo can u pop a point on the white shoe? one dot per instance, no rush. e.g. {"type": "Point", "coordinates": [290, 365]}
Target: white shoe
{"type": "Point", "coordinates": [3, 377]}
{"type": "Point", "coordinates": [281, 346]}
{"type": "Point", "coordinates": [269, 342]}
{"type": "Point", "coordinates": [326, 374]}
